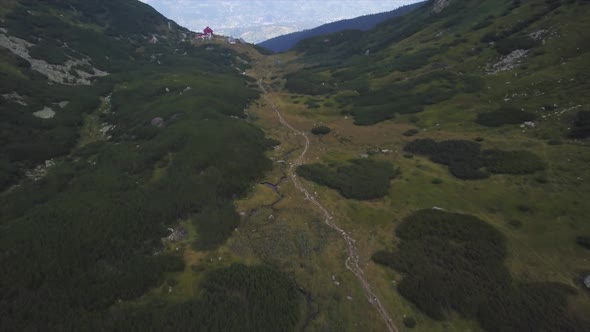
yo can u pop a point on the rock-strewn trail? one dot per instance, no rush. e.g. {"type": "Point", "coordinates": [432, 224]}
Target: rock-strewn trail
{"type": "Point", "coordinates": [352, 261]}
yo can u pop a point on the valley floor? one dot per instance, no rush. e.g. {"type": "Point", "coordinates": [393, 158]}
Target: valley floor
{"type": "Point", "coordinates": [352, 261]}
{"type": "Point", "coordinates": [428, 175]}
{"type": "Point", "coordinates": [366, 298]}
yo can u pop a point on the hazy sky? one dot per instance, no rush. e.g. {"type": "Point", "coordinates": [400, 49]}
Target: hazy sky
{"type": "Point", "coordinates": [234, 16]}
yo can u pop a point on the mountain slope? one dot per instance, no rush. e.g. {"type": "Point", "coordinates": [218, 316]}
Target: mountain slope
{"type": "Point", "coordinates": [366, 22]}
{"type": "Point", "coordinates": [116, 135]}
{"type": "Point", "coordinates": [448, 148]}
{"type": "Point", "coordinates": [487, 45]}
{"type": "Point", "coordinates": [480, 104]}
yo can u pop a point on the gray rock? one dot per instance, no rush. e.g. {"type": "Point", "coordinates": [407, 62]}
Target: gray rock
{"type": "Point", "coordinates": [439, 5]}
{"type": "Point", "coordinates": [15, 97]}
{"type": "Point", "coordinates": [45, 113]}
{"type": "Point", "coordinates": [507, 62]}
{"type": "Point", "coordinates": [157, 122]}
{"type": "Point", "coordinates": [55, 73]}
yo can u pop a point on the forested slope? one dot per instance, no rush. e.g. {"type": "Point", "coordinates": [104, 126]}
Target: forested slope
{"type": "Point", "coordinates": [115, 127]}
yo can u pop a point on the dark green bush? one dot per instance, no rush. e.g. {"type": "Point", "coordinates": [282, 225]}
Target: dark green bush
{"type": "Point", "coordinates": [462, 157]}
{"type": "Point", "coordinates": [409, 322]}
{"type": "Point", "coordinates": [581, 126]}
{"type": "Point", "coordinates": [358, 179]}
{"type": "Point", "coordinates": [424, 146]}
{"type": "Point", "coordinates": [446, 253]}
{"type": "Point", "coordinates": [523, 208]}
{"type": "Point", "coordinates": [411, 132]}
{"type": "Point", "coordinates": [312, 103]}
{"type": "Point", "coordinates": [466, 161]}
{"type": "Point", "coordinates": [436, 181]}
{"type": "Point", "coordinates": [9, 174]}
{"type": "Point", "coordinates": [541, 179]}
{"type": "Point", "coordinates": [49, 52]}
{"type": "Point", "coordinates": [455, 262]}
{"type": "Point", "coordinates": [321, 130]}
{"type": "Point", "coordinates": [504, 115]}
{"type": "Point", "coordinates": [215, 224]}
{"type": "Point", "coordinates": [583, 241]}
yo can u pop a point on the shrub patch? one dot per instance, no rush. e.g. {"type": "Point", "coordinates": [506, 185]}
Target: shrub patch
{"type": "Point", "coordinates": [455, 262]}
{"type": "Point", "coordinates": [359, 178]}
{"type": "Point", "coordinates": [321, 130]}
{"type": "Point", "coordinates": [466, 160]}
{"type": "Point", "coordinates": [504, 115]}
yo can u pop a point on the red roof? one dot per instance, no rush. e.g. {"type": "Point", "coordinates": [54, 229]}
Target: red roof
{"type": "Point", "coordinates": [208, 30]}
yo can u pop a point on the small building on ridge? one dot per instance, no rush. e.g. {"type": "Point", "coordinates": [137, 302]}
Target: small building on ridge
{"type": "Point", "coordinates": [206, 35]}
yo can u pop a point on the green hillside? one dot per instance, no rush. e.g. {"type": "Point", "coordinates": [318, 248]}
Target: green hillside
{"type": "Point", "coordinates": [109, 140]}
{"type": "Point", "coordinates": [484, 107]}
{"type": "Point", "coordinates": [500, 54]}
{"type": "Point", "coordinates": [429, 174]}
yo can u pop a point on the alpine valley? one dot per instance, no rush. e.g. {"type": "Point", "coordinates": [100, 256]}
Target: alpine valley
{"type": "Point", "coordinates": [428, 174]}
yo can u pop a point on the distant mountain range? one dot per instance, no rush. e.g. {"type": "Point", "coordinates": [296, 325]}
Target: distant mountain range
{"type": "Point", "coordinates": [259, 20]}
{"type": "Point", "coordinates": [286, 42]}
{"type": "Point", "coordinates": [257, 33]}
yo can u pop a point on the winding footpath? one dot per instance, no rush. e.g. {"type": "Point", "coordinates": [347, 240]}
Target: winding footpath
{"type": "Point", "coordinates": [352, 261]}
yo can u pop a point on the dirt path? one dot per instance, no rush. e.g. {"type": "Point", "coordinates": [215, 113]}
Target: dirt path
{"type": "Point", "coordinates": [352, 261]}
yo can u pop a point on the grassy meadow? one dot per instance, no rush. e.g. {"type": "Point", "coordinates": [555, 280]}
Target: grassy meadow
{"type": "Point", "coordinates": [428, 125]}
{"type": "Point", "coordinates": [539, 214]}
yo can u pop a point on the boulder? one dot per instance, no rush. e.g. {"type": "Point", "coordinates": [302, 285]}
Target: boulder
{"type": "Point", "coordinates": [157, 122]}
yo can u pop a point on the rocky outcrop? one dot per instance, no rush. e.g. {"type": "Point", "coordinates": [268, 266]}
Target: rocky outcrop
{"type": "Point", "coordinates": [507, 62]}
{"type": "Point", "coordinates": [40, 171]}
{"type": "Point", "coordinates": [45, 113]}
{"type": "Point", "coordinates": [439, 5]}
{"type": "Point", "coordinates": [176, 234]}
{"type": "Point", "coordinates": [539, 35]}
{"type": "Point", "coordinates": [15, 98]}
{"type": "Point", "coordinates": [63, 74]}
